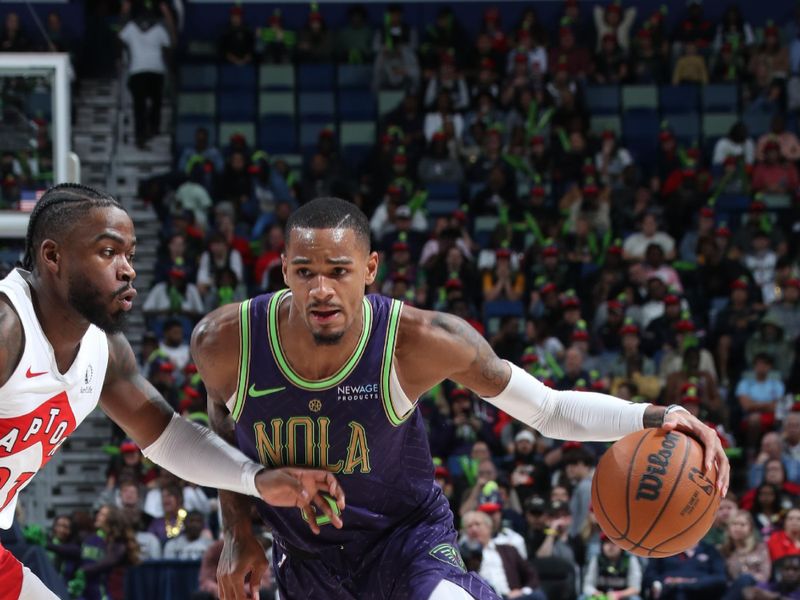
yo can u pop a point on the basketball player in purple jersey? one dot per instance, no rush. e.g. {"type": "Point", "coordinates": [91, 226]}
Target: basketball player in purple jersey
{"type": "Point", "coordinates": [329, 378]}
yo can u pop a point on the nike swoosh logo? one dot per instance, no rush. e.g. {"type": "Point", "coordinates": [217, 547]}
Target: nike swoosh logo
{"type": "Point", "coordinates": [254, 393]}
{"type": "Point", "coordinates": [29, 374]}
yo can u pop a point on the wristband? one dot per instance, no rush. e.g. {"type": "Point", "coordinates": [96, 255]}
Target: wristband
{"type": "Point", "coordinates": [670, 409]}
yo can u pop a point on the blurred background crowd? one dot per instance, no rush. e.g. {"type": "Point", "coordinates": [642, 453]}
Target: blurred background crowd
{"type": "Point", "coordinates": [609, 195]}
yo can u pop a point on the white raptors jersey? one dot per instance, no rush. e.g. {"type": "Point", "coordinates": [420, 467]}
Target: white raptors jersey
{"type": "Point", "coordinates": [40, 407]}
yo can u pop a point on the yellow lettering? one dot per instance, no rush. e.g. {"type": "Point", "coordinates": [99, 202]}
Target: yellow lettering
{"type": "Point", "coordinates": [291, 439]}
{"type": "Point", "coordinates": [357, 450]}
{"type": "Point", "coordinates": [269, 450]}
{"type": "Point", "coordinates": [324, 447]}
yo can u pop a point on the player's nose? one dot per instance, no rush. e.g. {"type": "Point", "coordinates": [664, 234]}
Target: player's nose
{"type": "Point", "coordinates": [322, 287]}
{"type": "Point", "coordinates": [127, 272]}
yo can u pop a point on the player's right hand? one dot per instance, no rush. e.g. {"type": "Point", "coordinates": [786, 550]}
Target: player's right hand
{"type": "Point", "coordinates": [302, 488]}
{"type": "Point", "coordinates": [242, 554]}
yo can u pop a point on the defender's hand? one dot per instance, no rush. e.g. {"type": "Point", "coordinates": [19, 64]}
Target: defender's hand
{"type": "Point", "coordinates": [713, 451]}
{"type": "Point", "coordinates": [302, 488]}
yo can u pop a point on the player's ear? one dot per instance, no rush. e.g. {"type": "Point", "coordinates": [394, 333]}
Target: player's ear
{"type": "Point", "coordinates": [284, 267]}
{"type": "Point", "coordinates": [372, 267]}
{"type": "Point", "coordinates": [50, 256]}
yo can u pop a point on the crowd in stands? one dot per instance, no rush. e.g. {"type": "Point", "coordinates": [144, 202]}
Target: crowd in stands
{"type": "Point", "coordinates": [668, 276]}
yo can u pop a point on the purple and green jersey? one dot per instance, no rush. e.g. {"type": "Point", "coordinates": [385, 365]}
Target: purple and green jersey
{"type": "Point", "coordinates": [346, 424]}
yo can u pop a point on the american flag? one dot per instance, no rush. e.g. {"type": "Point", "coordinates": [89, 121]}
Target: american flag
{"type": "Point", "coordinates": [28, 199]}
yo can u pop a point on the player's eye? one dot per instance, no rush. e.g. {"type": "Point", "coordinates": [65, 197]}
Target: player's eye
{"type": "Point", "coordinates": [303, 272]}
{"type": "Point", "coordinates": [108, 252]}
{"type": "Point", "coordinates": [340, 271]}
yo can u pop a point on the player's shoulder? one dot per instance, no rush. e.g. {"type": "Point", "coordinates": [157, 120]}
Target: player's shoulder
{"type": "Point", "coordinates": [12, 338]}
{"type": "Point", "coordinates": [217, 330]}
{"type": "Point", "coordinates": [418, 325]}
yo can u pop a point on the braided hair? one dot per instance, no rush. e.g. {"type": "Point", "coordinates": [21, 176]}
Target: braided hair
{"type": "Point", "coordinates": [58, 210]}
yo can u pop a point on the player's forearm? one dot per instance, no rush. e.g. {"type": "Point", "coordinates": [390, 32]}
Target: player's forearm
{"type": "Point", "coordinates": [235, 509]}
{"type": "Point", "coordinates": [200, 456]}
{"type": "Point", "coordinates": [582, 416]}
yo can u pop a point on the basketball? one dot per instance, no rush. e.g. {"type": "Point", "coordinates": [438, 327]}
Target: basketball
{"type": "Point", "coordinates": [650, 494]}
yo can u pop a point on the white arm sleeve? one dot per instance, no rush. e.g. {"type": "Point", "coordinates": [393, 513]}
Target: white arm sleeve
{"type": "Point", "coordinates": [567, 415]}
{"type": "Point", "coordinates": [198, 455]}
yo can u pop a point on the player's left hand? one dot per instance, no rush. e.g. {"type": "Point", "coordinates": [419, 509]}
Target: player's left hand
{"type": "Point", "coordinates": [302, 488]}
{"type": "Point", "coordinates": [713, 451]}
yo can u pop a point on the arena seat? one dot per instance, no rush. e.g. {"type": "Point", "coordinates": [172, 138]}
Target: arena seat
{"type": "Point", "coordinates": [272, 104]}
{"type": "Point", "coordinates": [716, 125]}
{"type": "Point", "coordinates": [200, 77]}
{"type": "Point", "coordinates": [639, 96]}
{"type": "Point", "coordinates": [685, 126]}
{"type": "Point", "coordinates": [602, 99]}
{"type": "Point", "coordinates": [673, 99]}
{"type": "Point", "coordinates": [276, 77]}
{"type": "Point", "coordinates": [601, 123]}
{"type": "Point", "coordinates": [757, 123]}
{"type": "Point", "coordinates": [721, 97]}
{"type": "Point", "coordinates": [313, 77]}
{"type": "Point", "coordinates": [236, 106]}
{"type": "Point", "coordinates": [316, 104]}
{"type": "Point", "coordinates": [356, 104]}
{"type": "Point", "coordinates": [229, 128]}
{"type": "Point", "coordinates": [278, 134]}
{"type": "Point", "coordinates": [388, 100]}
{"type": "Point", "coordinates": [354, 76]}
{"type": "Point", "coordinates": [235, 77]}
{"type": "Point", "coordinates": [197, 104]}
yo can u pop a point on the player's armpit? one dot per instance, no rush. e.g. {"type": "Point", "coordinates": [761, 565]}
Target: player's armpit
{"type": "Point", "coordinates": [12, 340]}
{"type": "Point", "coordinates": [214, 346]}
{"type": "Point", "coordinates": [433, 346]}
{"type": "Point", "coordinates": [129, 399]}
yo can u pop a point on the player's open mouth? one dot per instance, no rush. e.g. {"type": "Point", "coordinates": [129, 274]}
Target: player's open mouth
{"type": "Point", "coordinates": [126, 299]}
{"type": "Point", "coordinates": [324, 316]}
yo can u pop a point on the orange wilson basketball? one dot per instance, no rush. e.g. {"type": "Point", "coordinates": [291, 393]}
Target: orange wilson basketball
{"type": "Point", "coordinates": [650, 494]}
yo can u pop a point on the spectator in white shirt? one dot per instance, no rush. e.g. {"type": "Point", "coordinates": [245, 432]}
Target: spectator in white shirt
{"type": "Point", "coordinates": [146, 40]}
{"type": "Point", "coordinates": [502, 567]}
{"type": "Point", "coordinates": [736, 143]}
{"type": "Point", "coordinates": [218, 255]}
{"type": "Point", "coordinates": [636, 244]}
{"type": "Point", "coordinates": [191, 544]}
{"type": "Point", "coordinates": [177, 297]}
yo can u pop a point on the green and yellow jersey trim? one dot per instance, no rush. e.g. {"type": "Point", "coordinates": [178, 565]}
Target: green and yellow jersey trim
{"type": "Point", "coordinates": [386, 366]}
{"type": "Point", "coordinates": [244, 359]}
{"type": "Point", "coordinates": [285, 367]}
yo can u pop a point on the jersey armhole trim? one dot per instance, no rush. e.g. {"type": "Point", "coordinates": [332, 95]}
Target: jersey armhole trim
{"type": "Point", "coordinates": [244, 359]}
{"type": "Point", "coordinates": [387, 368]}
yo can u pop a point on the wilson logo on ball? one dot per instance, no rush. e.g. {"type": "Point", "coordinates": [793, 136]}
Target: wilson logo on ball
{"type": "Point", "coordinates": [650, 484]}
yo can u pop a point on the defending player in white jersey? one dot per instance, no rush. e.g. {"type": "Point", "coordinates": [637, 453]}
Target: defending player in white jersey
{"type": "Point", "coordinates": [61, 351]}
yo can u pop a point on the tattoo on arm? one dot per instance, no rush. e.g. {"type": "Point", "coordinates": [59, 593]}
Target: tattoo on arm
{"type": "Point", "coordinates": [653, 416]}
{"type": "Point", "coordinates": [235, 507]}
{"type": "Point", "coordinates": [484, 361]}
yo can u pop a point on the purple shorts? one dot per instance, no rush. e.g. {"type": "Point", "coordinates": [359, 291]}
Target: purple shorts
{"type": "Point", "coordinates": [407, 564]}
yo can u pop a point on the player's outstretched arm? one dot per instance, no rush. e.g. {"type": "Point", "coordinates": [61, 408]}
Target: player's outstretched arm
{"type": "Point", "coordinates": [433, 346]}
{"type": "Point", "coordinates": [188, 450]}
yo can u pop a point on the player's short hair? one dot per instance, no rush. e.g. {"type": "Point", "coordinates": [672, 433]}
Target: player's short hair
{"type": "Point", "coordinates": [59, 209]}
{"type": "Point", "coordinates": [330, 213]}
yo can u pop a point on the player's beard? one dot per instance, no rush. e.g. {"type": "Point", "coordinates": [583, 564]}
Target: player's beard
{"type": "Point", "coordinates": [327, 339]}
{"type": "Point", "coordinates": [92, 305]}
